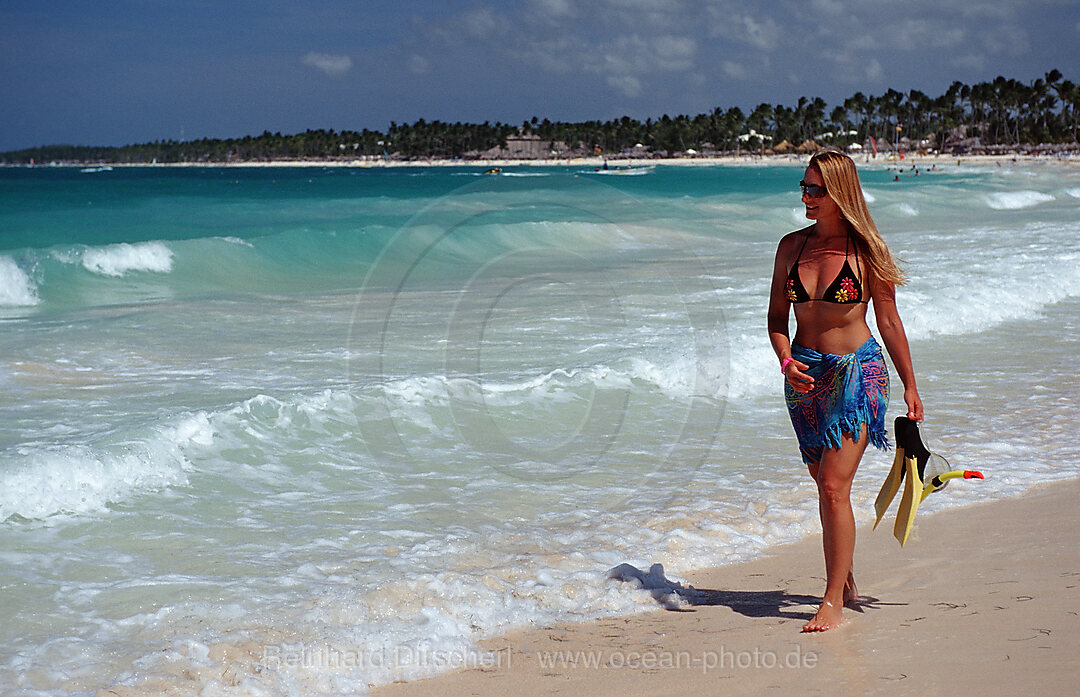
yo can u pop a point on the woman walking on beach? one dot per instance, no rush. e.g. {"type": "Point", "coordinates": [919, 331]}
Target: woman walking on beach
{"type": "Point", "coordinates": [836, 381]}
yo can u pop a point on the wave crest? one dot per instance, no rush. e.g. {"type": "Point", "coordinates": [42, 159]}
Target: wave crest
{"type": "Point", "coordinates": [79, 479]}
{"type": "Point", "coordinates": [16, 288]}
{"type": "Point", "coordinates": [1014, 200]}
{"type": "Point", "coordinates": [118, 259]}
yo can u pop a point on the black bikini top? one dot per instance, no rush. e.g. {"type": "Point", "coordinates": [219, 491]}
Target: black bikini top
{"type": "Point", "coordinates": [844, 290]}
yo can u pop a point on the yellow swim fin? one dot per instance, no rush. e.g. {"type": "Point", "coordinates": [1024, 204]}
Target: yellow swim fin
{"type": "Point", "coordinates": [890, 487]}
{"type": "Point", "coordinates": [909, 502]}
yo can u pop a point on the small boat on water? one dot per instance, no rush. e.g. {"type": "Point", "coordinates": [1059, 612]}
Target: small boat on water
{"type": "Point", "coordinates": [493, 170]}
{"type": "Point", "coordinates": [626, 171]}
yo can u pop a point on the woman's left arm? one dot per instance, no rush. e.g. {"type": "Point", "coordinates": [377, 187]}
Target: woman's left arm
{"type": "Point", "coordinates": [892, 333]}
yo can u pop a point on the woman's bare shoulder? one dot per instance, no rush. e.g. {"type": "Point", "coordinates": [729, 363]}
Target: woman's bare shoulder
{"type": "Point", "coordinates": [788, 241]}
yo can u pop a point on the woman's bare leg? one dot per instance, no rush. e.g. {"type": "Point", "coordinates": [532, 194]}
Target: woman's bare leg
{"type": "Point", "coordinates": [851, 591]}
{"type": "Point", "coordinates": [834, 475]}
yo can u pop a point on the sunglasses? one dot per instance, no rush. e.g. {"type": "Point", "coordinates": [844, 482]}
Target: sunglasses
{"type": "Point", "coordinates": [812, 191]}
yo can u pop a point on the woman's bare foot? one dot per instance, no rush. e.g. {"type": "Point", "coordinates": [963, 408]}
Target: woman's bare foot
{"type": "Point", "coordinates": [851, 592]}
{"type": "Point", "coordinates": [828, 617]}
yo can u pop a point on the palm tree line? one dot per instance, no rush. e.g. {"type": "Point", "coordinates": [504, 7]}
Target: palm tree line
{"type": "Point", "coordinates": [1002, 113]}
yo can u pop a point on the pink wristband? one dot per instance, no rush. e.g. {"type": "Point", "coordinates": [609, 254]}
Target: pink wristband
{"type": "Point", "coordinates": [783, 364]}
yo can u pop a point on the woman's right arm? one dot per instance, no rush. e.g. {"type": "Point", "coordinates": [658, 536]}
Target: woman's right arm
{"type": "Point", "coordinates": [779, 306]}
{"type": "Point", "coordinates": [779, 314]}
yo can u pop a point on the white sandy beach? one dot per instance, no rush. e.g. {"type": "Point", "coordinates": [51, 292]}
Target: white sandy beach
{"type": "Point", "coordinates": [983, 601]}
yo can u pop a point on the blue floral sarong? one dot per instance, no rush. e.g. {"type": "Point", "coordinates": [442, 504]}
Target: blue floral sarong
{"type": "Point", "coordinates": [849, 391]}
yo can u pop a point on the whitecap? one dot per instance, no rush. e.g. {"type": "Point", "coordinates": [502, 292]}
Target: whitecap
{"type": "Point", "coordinates": [236, 240]}
{"type": "Point", "coordinates": [16, 288]}
{"type": "Point", "coordinates": [1013, 295]}
{"type": "Point", "coordinates": [1013, 200]}
{"type": "Point", "coordinates": [79, 479]}
{"type": "Point", "coordinates": [757, 374]}
{"type": "Point", "coordinates": [118, 259]}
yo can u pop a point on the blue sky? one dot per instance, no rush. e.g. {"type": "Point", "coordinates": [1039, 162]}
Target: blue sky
{"type": "Point", "coordinates": [113, 72]}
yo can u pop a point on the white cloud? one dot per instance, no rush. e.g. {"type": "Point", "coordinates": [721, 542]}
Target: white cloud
{"type": "Point", "coordinates": [971, 61]}
{"type": "Point", "coordinates": [627, 85]}
{"type": "Point", "coordinates": [734, 70]}
{"type": "Point", "coordinates": [554, 9]}
{"type": "Point", "coordinates": [329, 64]}
{"type": "Point", "coordinates": [640, 48]}
{"type": "Point", "coordinates": [874, 73]}
{"type": "Point", "coordinates": [745, 29]}
{"type": "Point", "coordinates": [554, 55]}
{"type": "Point", "coordinates": [674, 52]}
{"type": "Point", "coordinates": [992, 9]}
{"type": "Point", "coordinates": [644, 6]}
{"type": "Point", "coordinates": [654, 16]}
{"type": "Point", "coordinates": [1006, 39]}
{"type": "Point", "coordinates": [832, 7]}
{"type": "Point", "coordinates": [918, 33]}
{"type": "Point", "coordinates": [418, 65]}
{"type": "Point", "coordinates": [480, 23]}
{"type": "Point", "coordinates": [625, 61]}
{"type": "Point", "coordinates": [850, 67]}
{"type": "Point", "coordinates": [622, 61]}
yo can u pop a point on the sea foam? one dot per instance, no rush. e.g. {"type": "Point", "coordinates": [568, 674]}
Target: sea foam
{"type": "Point", "coordinates": [77, 479]}
{"type": "Point", "coordinates": [1016, 267]}
{"type": "Point", "coordinates": [16, 288]}
{"type": "Point", "coordinates": [118, 259]}
{"type": "Point", "coordinates": [1014, 200]}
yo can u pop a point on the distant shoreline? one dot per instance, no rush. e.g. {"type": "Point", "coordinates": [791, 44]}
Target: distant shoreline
{"type": "Point", "coordinates": [612, 163]}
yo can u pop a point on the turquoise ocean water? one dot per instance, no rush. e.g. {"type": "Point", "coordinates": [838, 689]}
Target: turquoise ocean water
{"type": "Point", "coordinates": [368, 417]}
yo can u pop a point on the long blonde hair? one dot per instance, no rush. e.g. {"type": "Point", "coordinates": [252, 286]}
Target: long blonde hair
{"type": "Point", "coordinates": [842, 182]}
